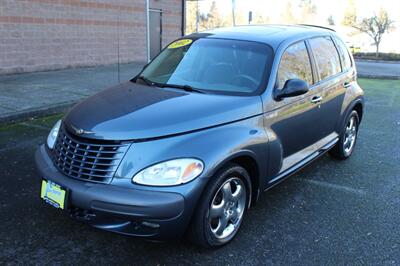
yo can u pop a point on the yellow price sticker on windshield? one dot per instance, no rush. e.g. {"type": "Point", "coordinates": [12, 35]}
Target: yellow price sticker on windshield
{"type": "Point", "coordinates": [180, 43]}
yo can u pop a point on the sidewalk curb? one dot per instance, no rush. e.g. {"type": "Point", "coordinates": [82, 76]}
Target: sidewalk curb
{"type": "Point", "coordinates": [376, 61]}
{"type": "Point", "coordinates": [377, 77]}
{"type": "Point", "coordinates": [37, 112]}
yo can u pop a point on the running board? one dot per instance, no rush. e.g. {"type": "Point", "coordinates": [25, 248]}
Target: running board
{"type": "Point", "coordinates": [291, 170]}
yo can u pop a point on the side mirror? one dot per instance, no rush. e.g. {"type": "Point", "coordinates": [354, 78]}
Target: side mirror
{"type": "Point", "coordinates": [292, 87]}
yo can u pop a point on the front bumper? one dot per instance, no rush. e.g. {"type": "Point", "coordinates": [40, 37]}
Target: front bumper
{"type": "Point", "coordinates": [152, 214]}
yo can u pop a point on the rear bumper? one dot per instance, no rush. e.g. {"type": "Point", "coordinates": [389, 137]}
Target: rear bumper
{"type": "Point", "coordinates": [143, 213]}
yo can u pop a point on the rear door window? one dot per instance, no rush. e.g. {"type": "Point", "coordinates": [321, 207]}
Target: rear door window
{"type": "Point", "coordinates": [326, 56]}
{"type": "Point", "coordinates": [295, 64]}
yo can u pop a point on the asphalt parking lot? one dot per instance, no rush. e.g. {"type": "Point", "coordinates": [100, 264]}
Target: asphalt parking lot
{"type": "Point", "coordinates": [331, 213]}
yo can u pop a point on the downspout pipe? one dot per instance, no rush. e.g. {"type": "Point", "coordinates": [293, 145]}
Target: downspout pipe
{"type": "Point", "coordinates": [183, 17]}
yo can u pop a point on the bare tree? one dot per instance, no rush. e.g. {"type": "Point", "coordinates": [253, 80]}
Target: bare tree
{"type": "Point", "coordinates": [287, 15]}
{"type": "Point", "coordinates": [214, 18]}
{"type": "Point", "coordinates": [195, 20]}
{"type": "Point", "coordinates": [375, 26]}
{"type": "Point", "coordinates": [261, 19]}
{"type": "Point", "coordinates": [191, 17]}
{"type": "Point", "coordinates": [350, 15]}
{"type": "Point", "coordinates": [331, 21]}
{"type": "Point", "coordinates": [308, 11]}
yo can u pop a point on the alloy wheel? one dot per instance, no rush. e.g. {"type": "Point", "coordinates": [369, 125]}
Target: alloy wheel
{"type": "Point", "coordinates": [350, 135]}
{"type": "Point", "coordinates": [227, 208]}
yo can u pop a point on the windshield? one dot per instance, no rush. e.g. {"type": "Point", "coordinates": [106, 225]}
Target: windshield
{"type": "Point", "coordinates": [211, 64]}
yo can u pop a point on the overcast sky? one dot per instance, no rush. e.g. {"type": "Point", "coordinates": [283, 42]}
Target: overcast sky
{"type": "Point", "coordinates": [273, 9]}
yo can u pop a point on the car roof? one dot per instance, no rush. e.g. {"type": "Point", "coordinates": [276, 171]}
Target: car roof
{"type": "Point", "coordinates": [272, 35]}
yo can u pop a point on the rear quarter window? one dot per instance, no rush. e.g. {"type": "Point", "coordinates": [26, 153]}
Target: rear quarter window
{"type": "Point", "coordinates": [344, 55]}
{"type": "Point", "coordinates": [326, 56]}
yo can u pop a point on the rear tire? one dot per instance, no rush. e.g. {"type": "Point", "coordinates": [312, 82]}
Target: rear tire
{"type": "Point", "coordinates": [348, 137]}
{"type": "Point", "coordinates": [221, 209]}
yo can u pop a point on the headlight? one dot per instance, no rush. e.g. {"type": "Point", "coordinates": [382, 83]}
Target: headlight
{"type": "Point", "coordinates": [51, 139]}
{"type": "Point", "coordinates": [169, 173]}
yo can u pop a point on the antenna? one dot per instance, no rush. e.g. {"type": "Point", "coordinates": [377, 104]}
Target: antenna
{"type": "Point", "coordinates": [118, 62]}
{"type": "Point", "coordinates": [148, 30]}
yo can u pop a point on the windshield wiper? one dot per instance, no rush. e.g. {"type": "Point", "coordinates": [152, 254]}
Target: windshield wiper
{"type": "Point", "coordinates": [147, 81]}
{"type": "Point", "coordinates": [164, 85]}
{"type": "Point", "coordinates": [182, 87]}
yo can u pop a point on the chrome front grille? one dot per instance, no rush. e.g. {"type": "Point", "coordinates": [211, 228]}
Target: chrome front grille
{"type": "Point", "coordinates": [87, 159]}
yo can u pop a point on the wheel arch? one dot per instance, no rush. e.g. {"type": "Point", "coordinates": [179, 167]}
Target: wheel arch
{"type": "Point", "coordinates": [358, 106]}
{"type": "Point", "coordinates": [248, 160]}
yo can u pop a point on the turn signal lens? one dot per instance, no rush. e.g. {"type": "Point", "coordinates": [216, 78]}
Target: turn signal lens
{"type": "Point", "coordinates": [51, 139]}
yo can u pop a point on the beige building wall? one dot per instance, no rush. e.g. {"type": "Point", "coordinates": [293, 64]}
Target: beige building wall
{"type": "Point", "coordinates": [40, 35]}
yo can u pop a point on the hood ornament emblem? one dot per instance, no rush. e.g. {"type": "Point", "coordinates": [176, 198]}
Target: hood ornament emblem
{"type": "Point", "coordinates": [80, 131]}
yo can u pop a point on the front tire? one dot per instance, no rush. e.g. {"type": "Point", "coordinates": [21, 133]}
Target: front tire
{"type": "Point", "coordinates": [222, 207]}
{"type": "Point", "coordinates": [348, 138]}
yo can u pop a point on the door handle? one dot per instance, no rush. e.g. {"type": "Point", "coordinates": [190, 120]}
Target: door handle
{"type": "Point", "coordinates": [316, 99]}
{"type": "Point", "coordinates": [346, 84]}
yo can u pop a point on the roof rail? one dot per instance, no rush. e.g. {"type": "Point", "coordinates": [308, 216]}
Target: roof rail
{"type": "Point", "coordinates": [317, 26]}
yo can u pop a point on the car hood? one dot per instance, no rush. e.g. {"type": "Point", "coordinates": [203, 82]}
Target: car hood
{"type": "Point", "coordinates": [131, 111]}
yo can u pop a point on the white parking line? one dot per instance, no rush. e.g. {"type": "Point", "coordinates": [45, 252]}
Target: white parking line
{"type": "Point", "coordinates": [324, 184]}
